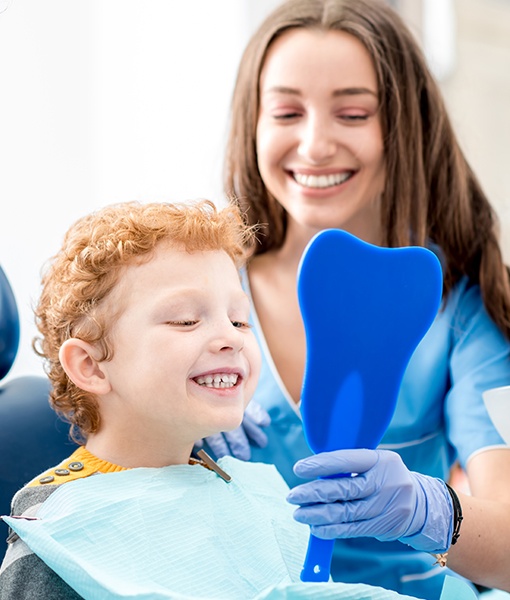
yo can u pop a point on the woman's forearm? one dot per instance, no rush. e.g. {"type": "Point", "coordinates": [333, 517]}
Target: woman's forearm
{"type": "Point", "coordinates": [482, 552]}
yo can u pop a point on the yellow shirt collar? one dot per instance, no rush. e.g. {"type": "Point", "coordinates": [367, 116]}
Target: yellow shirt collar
{"type": "Point", "coordinates": [80, 464]}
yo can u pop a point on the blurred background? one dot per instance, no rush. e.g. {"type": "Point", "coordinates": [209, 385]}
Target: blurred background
{"type": "Point", "coordinates": [111, 100]}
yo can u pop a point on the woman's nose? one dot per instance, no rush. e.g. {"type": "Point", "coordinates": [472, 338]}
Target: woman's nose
{"type": "Point", "coordinates": [317, 143]}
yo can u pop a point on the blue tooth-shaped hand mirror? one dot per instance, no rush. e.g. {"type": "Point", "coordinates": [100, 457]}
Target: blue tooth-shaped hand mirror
{"type": "Point", "coordinates": [365, 309]}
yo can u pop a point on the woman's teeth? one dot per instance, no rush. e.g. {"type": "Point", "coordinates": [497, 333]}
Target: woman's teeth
{"type": "Point", "coordinates": [220, 380]}
{"type": "Point", "coordinates": [321, 181]}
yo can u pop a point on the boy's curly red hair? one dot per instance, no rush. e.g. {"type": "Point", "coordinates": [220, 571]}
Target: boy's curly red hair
{"type": "Point", "coordinates": [88, 266]}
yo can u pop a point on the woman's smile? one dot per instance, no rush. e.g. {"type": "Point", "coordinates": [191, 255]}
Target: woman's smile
{"type": "Point", "coordinates": [319, 140]}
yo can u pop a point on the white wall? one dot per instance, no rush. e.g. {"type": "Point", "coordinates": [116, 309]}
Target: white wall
{"type": "Point", "coordinates": [104, 101]}
{"type": "Point", "coordinates": [111, 100]}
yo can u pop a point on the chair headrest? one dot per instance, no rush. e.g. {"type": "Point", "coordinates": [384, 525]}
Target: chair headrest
{"type": "Point", "coordinates": [9, 326]}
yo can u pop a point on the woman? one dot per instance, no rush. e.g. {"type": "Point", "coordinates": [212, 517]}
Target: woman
{"type": "Point", "coordinates": [337, 122]}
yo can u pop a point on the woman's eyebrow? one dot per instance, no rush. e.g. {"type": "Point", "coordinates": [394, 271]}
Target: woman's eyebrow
{"type": "Point", "coordinates": [354, 91]}
{"type": "Point", "coordinates": [348, 91]}
{"type": "Point", "coordinates": [282, 89]}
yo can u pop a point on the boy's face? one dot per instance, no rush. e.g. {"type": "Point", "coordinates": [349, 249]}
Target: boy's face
{"type": "Point", "coordinates": [185, 362]}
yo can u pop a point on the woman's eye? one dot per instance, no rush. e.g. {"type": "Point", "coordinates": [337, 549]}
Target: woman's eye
{"type": "Point", "coordinates": [287, 116]}
{"type": "Point", "coordinates": [241, 325]}
{"type": "Point", "coordinates": [354, 118]}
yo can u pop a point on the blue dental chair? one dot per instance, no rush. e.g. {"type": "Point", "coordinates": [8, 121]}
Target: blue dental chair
{"type": "Point", "coordinates": [32, 437]}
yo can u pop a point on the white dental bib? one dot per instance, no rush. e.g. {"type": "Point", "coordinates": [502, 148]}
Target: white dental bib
{"type": "Point", "coordinates": [178, 532]}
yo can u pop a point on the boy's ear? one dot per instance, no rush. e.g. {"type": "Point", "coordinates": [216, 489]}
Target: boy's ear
{"type": "Point", "coordinates": [83, 369]}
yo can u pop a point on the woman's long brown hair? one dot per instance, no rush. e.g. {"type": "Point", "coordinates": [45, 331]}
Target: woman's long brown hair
{"type": "Point", "coordinates": [431, 193]}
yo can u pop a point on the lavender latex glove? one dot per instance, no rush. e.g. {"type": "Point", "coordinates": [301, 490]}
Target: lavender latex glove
{"type": "Point", "coordinates": [384, 500]}
{"type": "Point", "coordinates": [237, 442]}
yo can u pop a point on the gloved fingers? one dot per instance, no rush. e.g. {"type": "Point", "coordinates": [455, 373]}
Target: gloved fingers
{"type": "Point", "coordinates": [359, 512]}
{"type": "Point", "coordinates": [320, 515]}
{"type": "Point", "coordinates": [386, 501]}
{"type": "Point", "coordinates": [230, 443]}
{"type": "Point", "coordinates": [254, 433]}
{"type": "Point", "coordinates": [332, 490]}
{"type": "Point", "coordinates": [198, 445]}
{"type": "Point", "coordinates": [238, 443]}
{"type": "Point", "coordinates": [386, 528]}
{"type": "Point", "coordinates": [336, 463]}
{"type": "Point", "coordinates": [341, 522]}
{"type": "Point", "coordinates": [258, 415]}
{"type": "Point", "coordinates": [342, 530]}
{"type": "Point", "coordinates": [218, 445]}
{"type": "Point", "coordinates": [329, 532]}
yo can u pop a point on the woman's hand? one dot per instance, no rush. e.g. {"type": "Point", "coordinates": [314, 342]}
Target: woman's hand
{"type": "Point", "coordinates": [383, 500]}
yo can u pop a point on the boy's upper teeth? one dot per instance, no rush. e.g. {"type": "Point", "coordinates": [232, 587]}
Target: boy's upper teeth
{"type": "Point", "coordinates": [321, 181]}
{"type": "Point", "coordinates": [218, 380]}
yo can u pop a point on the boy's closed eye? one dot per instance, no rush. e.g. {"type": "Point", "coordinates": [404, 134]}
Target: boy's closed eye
{"type": "Point", "coordinates": [191, 322]}
{"type": "Point", "coordinates": [241, 324]}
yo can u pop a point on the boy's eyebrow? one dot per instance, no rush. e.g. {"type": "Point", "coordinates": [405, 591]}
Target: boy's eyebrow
{"type": "Point", "coordinates": [180, 296]}
{"type": "Point", "coordinates": [178, 291]}
{"type": "Point", "coordinates": [348, 91]}
{"type": "Point", "coordinates": [187, 290]}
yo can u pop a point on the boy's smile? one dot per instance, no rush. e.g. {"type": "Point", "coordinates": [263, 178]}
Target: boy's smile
{"type": "Point", "coordinates": [218, 380]}
{"type": "Point", "coordinates": [185, 361]}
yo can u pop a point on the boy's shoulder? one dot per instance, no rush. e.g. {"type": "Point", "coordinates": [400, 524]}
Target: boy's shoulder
{"type": "Point", "coordinates": [23, 575]}
{"type": "Point", "coordinates": [80, 464]}
{"type": "Point", "coordinates": [36, 491]}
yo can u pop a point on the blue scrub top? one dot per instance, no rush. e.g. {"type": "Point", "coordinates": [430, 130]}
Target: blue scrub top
{"type": "Point", "coordinates": [440, 417]}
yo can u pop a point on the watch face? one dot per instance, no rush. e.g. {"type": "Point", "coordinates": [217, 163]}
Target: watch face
{"type": "Point", "coordinates": [497, 402]}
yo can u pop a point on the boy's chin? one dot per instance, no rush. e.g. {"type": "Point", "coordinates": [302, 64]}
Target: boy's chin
{"type": "Point", "coordinates": [232, 426]}
{"type": "Point", "coordinates": [227, 426]}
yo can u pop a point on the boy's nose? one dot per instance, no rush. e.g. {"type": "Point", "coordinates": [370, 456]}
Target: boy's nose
{"type": "Point", "coordinates": [228, 338]}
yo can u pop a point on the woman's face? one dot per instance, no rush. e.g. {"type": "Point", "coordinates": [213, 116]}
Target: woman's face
{"type": "Point", "coordinates": [319, 140]}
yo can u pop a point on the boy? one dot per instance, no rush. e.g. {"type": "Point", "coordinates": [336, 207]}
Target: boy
{"type": "Point", "coordinates": [145, 335]}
